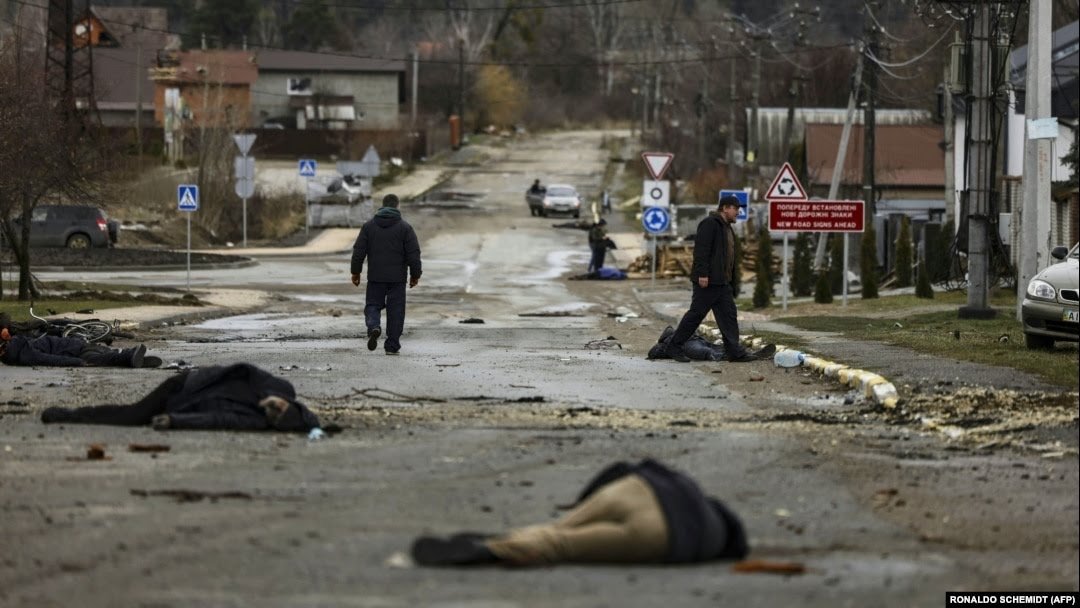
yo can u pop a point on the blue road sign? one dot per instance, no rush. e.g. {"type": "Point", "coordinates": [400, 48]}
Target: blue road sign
{"type": "Point", "coordinates": [655, 220]}
{"type": "Point", "coordinates": [187, 197]}
{"type": "Point", "coordinates": [744, 203]}
{"type": "Point", "coordinates": [307, 167]}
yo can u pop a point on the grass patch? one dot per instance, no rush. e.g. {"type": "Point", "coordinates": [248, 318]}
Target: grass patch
{"type": "Point", "coordinates": [20, 311]}
{"type": "Point", "coordinates": [902, 304]}
{"type": "Point", "coordinates": [998, 341]}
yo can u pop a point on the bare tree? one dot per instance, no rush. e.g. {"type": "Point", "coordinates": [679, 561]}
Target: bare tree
{"type": "Point", "coordinates": [607, 25]}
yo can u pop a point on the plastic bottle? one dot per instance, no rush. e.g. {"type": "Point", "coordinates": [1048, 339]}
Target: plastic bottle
{"type": "Point", "coordinates": [788, 358]}
{"type": "Point", "coordinates": [316, 434]}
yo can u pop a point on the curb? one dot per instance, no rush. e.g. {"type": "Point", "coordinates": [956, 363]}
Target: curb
{"type": "Point", "coordinates": [242, 263]}
{"type": "Point", "coordinates": [873, 386]}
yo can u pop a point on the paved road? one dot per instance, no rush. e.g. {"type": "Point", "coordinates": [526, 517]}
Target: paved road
{"type": "Point", "coordinates": [439, 440]}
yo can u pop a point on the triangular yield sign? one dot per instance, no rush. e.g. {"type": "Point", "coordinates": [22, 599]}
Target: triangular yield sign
{"type": "Point", "coordinates": [371, 156]}
{"type": "Point", "coordinates": [657, 163]}
{"type": "Point", "coordinates": [786, 186]}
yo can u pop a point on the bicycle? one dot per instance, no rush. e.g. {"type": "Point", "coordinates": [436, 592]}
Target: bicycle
{"type": "Point", "coordinates": [91, 330]}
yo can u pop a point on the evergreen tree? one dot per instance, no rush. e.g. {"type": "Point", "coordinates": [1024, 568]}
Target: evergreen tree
{"type": "Point", "coordinates": [765, 259]}
{"type": "Point", "coordinates": [761, 287]}
{"type": "Point", "coordinates": [802, 278]}
{"type": "Point", "coordinates": [836, 263]}
{"type": "Point", "coordinates": [868, 263]}
{"type": "Point", "coordinates": [736, 275]}
{"type": "Point", "coordinates": [312, 27]}
{"type": "Point", "coordinates": [225, 23]}
{"type": "Point", "coordinates": [922, 282]}
{"type": "Point", "coordinates": [903, 254]}
{"type": "Point", "coordinates": [822, 288]}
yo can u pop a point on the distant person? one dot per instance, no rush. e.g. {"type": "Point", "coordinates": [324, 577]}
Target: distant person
{"type": "Point", "coordinates": [238, 397]}
{"type": "Point", "coordinates": [711, 276]}
{"type": "Point", "coordinates": [605, 202]}
{"type": "Point", "coordinates": [643, 513]}
{"type": "Point", "coordinates": [536, 188]}
{"type": "Point", "coordinates": [57, 351]}
{"type": "Point", "coordinates": [598, 244]}
{"type": "Point", "coordinates": [389, 244]}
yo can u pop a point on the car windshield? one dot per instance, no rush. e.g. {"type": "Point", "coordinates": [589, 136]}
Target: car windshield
{"type": "Point", "coordinates": [556, 191]}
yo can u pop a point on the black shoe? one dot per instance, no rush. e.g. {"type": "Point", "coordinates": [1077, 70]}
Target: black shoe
{"type": "Point", "coordinates": [138, 355]}
{"type": "Point", "coordinates": [744, 358]}
{"type": "Point", "coordinates": [151, 361]}
{"type": "Point", "coordinates": [457, 551]}
{"type": "Point", "coordinates": [395, 351]}
{"type": "Point", "coordinates": [676, 353]}
{"type": "Point", "coordinates": [765, 352]}
{"type": "Point", "coordinates": [373, 338]}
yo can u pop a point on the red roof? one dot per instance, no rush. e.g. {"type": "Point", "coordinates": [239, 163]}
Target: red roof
{"type": "Point", "coordinates": [904, 155]}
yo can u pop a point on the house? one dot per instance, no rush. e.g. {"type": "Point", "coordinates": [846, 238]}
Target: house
{"type": "Point", "coordinates": [304, 90]}
{"type": "Point", "coordinates": [125, 27]}
{"type": "Point", "coordinates": [198, 88]}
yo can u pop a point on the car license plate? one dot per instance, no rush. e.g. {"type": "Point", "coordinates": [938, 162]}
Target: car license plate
{"type": "Point", "coordinates": [1071, 316]}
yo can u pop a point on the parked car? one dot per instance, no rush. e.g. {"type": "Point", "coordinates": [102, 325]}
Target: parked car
{"type": "Point", "coordinates": [560, 198]}
{"type": "Point", "coordinates": [1050, 308]}
{"type": "Point", "coordinates": [72, 226]}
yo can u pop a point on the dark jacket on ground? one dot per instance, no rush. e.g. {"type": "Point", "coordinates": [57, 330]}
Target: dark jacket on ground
{"type": "Point", "coordinates": [45, 350]}
{"type": "Point", "coordinates": [711, 249]}
{"type": "Point", "coordinates": [700, 528]}
{"type": "Point", "coordinates": [390, 246]}
{"type": "Point", "coordinates": [227, 397]}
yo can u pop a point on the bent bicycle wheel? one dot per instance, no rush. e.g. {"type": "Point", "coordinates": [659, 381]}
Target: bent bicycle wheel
{"type": "Point", "coordinates": [91, 331]}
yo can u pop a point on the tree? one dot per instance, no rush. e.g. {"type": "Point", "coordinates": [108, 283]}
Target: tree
{"type": "Point", "coordinates": [311, 28]}
{"type": "Point", "coordinates": [836, 263]}
{"type": "Point", "coordinates": [500, 98]}
{"type": "Point", "coordinates": [606, 24]}
{"type": "Point", "coordinates": [802, 278]}
{"type": "Point", "coordinates": [1072, 159]}
{"type": "Point", "coordinates": [868, 263]}
{"type": "Point", "coordinates": [44, 151]}
{"type": "Point", "coordinates": [922, 283]}
{"type": "Point", "coordinates": [763, 288]}
{"type": "Point", "coordinates": [823, 288]}
{"type": "Point", "coordinates": [903, 254]}
{"type": "Point", "coordinates": [736, 273]}
{"type": "Point", "coordinates": [224, 22]}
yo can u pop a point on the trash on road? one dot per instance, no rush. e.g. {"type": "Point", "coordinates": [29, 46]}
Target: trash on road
{"type": "Point", "coordinates": [316, 434]}
{"type": "Point", "coordinates": [96, 452]}
{"type": "Point", "coordinates": [148, 447]}
{"type": "Point", "coordinates": [604, 343]}
{"type": "Point", "coordinates": [789, 357]}
{"type": "Point", "coordinates": [472, 320]}
{"type": "Point", "coordinates": [192, 495]}
{"type": "Point", "coordinates": [751, 566]}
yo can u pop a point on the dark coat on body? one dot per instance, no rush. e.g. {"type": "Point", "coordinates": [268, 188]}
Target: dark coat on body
{"type": "Point", "coordinates": [227, 397]}
{"type": "Point", "coordinates": [44, 350]}
{"type": "Point", "coordinates": [711, 251]}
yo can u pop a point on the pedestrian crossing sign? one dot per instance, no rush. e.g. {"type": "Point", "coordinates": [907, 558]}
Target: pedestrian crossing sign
{"type": "Point", "coordinates": [307, 167]}
{"type": "Point", "coordinates": [187, 197]}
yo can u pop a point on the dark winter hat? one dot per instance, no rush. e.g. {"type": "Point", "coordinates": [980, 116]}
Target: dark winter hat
{"type": "Point", "coordinates": [390, 200]}
{"type": "Point", "coordinates": [729, 201]}
{"type": "Point", "coordinates": [602, 222]}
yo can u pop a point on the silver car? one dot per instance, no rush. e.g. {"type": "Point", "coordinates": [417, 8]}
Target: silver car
{"type": "Point", "coordinates": [561, 198]}
{"type": "Point", "coordinates": [1050, 308]}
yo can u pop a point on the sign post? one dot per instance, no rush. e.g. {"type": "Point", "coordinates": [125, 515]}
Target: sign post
{"type": "Point", "coordinates": [656, 220]}
{"type": "Point", "coordinates": [187, 200]}
{"type": "Point", "coordinates": [307, 168]}
{"type": "Point", "coordinates": [785, 187]}
{"type": "Point", "coordinates": [245, 172]}
{"type": "Point", "coordinates": [817, 216]}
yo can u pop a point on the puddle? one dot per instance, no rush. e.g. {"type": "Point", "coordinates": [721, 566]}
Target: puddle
{"type": "Point", "coordinates": [558, 263]}
{"type": "Point", "coordinates": [317, 298]}
{"type": "Point", "coordinates": [256, 321]}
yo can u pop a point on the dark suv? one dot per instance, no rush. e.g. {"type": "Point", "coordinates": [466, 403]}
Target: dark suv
{"type": "Point", "coordinates": [72, 226]}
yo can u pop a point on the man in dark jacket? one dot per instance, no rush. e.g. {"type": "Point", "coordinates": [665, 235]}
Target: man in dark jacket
{"type": "Point", "coordinates": [711, 276]}
{"type": "Point", "coordinates": [643, 513]}
{"type": "Point", "coordinates": [57, 351]}
{"type": "Point", "coordinates": [391, 248]}
{"type": "Point", "coordinates": [597, 245]}
{"type": "Point", "coordinates": [240, 397]}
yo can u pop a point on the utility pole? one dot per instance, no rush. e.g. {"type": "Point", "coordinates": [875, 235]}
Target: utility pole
{"type": "Point", "coordinates": [415, 85]}
{"type": "Point", "coordinates": [949, 120]}
{"type": "Point", "coordinates": [755, 96]}
{"type": "Point", "coordinates": [461, 83]}
{"type": "Point", "coordinates": [732, 98]}
{"type": "Point", "coordinates": [702, 108]}
{"type": "Point", "coordinates": [979, 161]}
{"type": "Point", "coordinates": [1034, 216]}
{"type": "Point", "coordinates": [869, 123]}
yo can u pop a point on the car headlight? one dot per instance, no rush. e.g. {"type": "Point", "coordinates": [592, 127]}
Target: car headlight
{"type": "Point", "coordinates": [1042, 290]}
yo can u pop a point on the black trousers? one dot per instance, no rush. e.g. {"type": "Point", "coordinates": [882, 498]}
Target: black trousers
{"type": "Point", "coordinates": [721, 301]}
{"type": "Point", "coordinates": [103, 356]}
{"type": "Point", "coordinates": [139, 413]}
{"type": "Point", "coordinates": [597, 260]}
{"type": "Point", "coordinates": [390, 296]}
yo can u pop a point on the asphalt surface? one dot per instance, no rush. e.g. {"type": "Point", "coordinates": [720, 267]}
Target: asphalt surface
{"type": "Point", "coordinates": [489, 426]}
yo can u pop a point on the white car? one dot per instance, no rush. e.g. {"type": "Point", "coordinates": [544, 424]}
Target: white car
{"type": "Point", "coordinates": [1050, 309]}
{"type": "Point", "coordinates": [561, 198]}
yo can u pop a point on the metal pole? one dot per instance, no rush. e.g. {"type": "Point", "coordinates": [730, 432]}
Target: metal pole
{"type": "Point", "coordinates": [415, 70]}
{"type": "Point", "coordinates": [845, 268]}
{"type": "Point", "coordinates": [245, 222]}
{"type": "Point", "coordinates": [841, 158]}
{"type": "Point", "coordinates": [307, 203]}
{"type": "Point", "coordinates": [189, 251]}
{"type": "Point", "coordinates": [653, 256]}
{"type": "Point", "coordinates": [785, 285]}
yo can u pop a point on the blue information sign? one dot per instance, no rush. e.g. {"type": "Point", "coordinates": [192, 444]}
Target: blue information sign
{"type": "Point", "coordinates": [187, 197]}
{"type": "Point", "coordinates": [744, 202]}
{"type": "Point", "coordinates": [307, 167]}
{"type": "Point", "coordinates": [655, 220]}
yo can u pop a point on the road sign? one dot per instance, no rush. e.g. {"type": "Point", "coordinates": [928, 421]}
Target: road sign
{"type": "Point", "coordinates": [187, 197]}
{"type": "Point", "coordinates": [656, 220]}
{"type": "Point", "coordinates": [744, 202]}
{"type": "Point", "coordinates": [244, 142]}
{"type": "Point", "coordinates": [655, 194]}
{"type": "Point", "coordinates": [244, 166]}
{"type": "Point", "coordinates": [245, 188]}
{"type": "Point", "coordinates": [785, 186]}
{"type": "Point", "coordinates": [816, 216]}
{"type": "Point", "coordinates": [657, 163]}
{"type": "Point", "coordinates": [307, 167]}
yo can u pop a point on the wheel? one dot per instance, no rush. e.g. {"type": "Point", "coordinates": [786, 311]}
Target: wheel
{"type": "Point", "coordinates": [577, 214]}
{"type": "Point", "coordinates": [1033, 341]}
{"type": "Point", "coordinates": [78, 241]}
{"type": "Point", "coordinates": [91, 331]}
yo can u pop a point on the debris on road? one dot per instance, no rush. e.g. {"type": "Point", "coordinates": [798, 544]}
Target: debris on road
{"type": "Point", "coordinates": [472, 321]}
{"type": "Point", "coordinates": [96, 452]}
{"type": "Point", "coordinates": [192, 495]}
{"type": "Point", "coordinates": [148, 447]}
{"type": "Point", "coordinates": [604, 343]}
{"type": "Point", "coordinates": [768, 567]}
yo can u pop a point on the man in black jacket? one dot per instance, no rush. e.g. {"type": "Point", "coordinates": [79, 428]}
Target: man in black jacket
{"type": "Point", "coordinates": [391, 248]}
{"type": "Point", "coordinates": [711, 276]}
{"type": "Point", "coordinates": [57, 351]}
{"type": "Point", "coordinates": [239, 397]}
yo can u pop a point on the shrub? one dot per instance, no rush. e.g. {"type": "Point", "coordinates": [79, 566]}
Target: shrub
{"type": "Point", "coordinates": [836, 263]}
{"type": "Point", "coordinates": [868, 263]}
{"type": "Point", "coordinates": [765, 259]}
{"type": "Point", "coordinates": [903, 254]}
{"type": "Point", "coordinates": [761, 287]}
{"type": "Point", "coordinates": [922, 283]}
{"type": "Point", "coordinates": [802, 279]}
{"type": "Point", "coordinates": [823, 288]}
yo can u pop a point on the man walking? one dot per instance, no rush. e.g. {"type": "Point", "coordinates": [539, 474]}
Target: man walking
{"type": "Point", "coordinates": [597, 245]}
{"type": "Point", "coordinates": [390, 246]}
{"type": "Point", "coordinates": [711, 276]}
